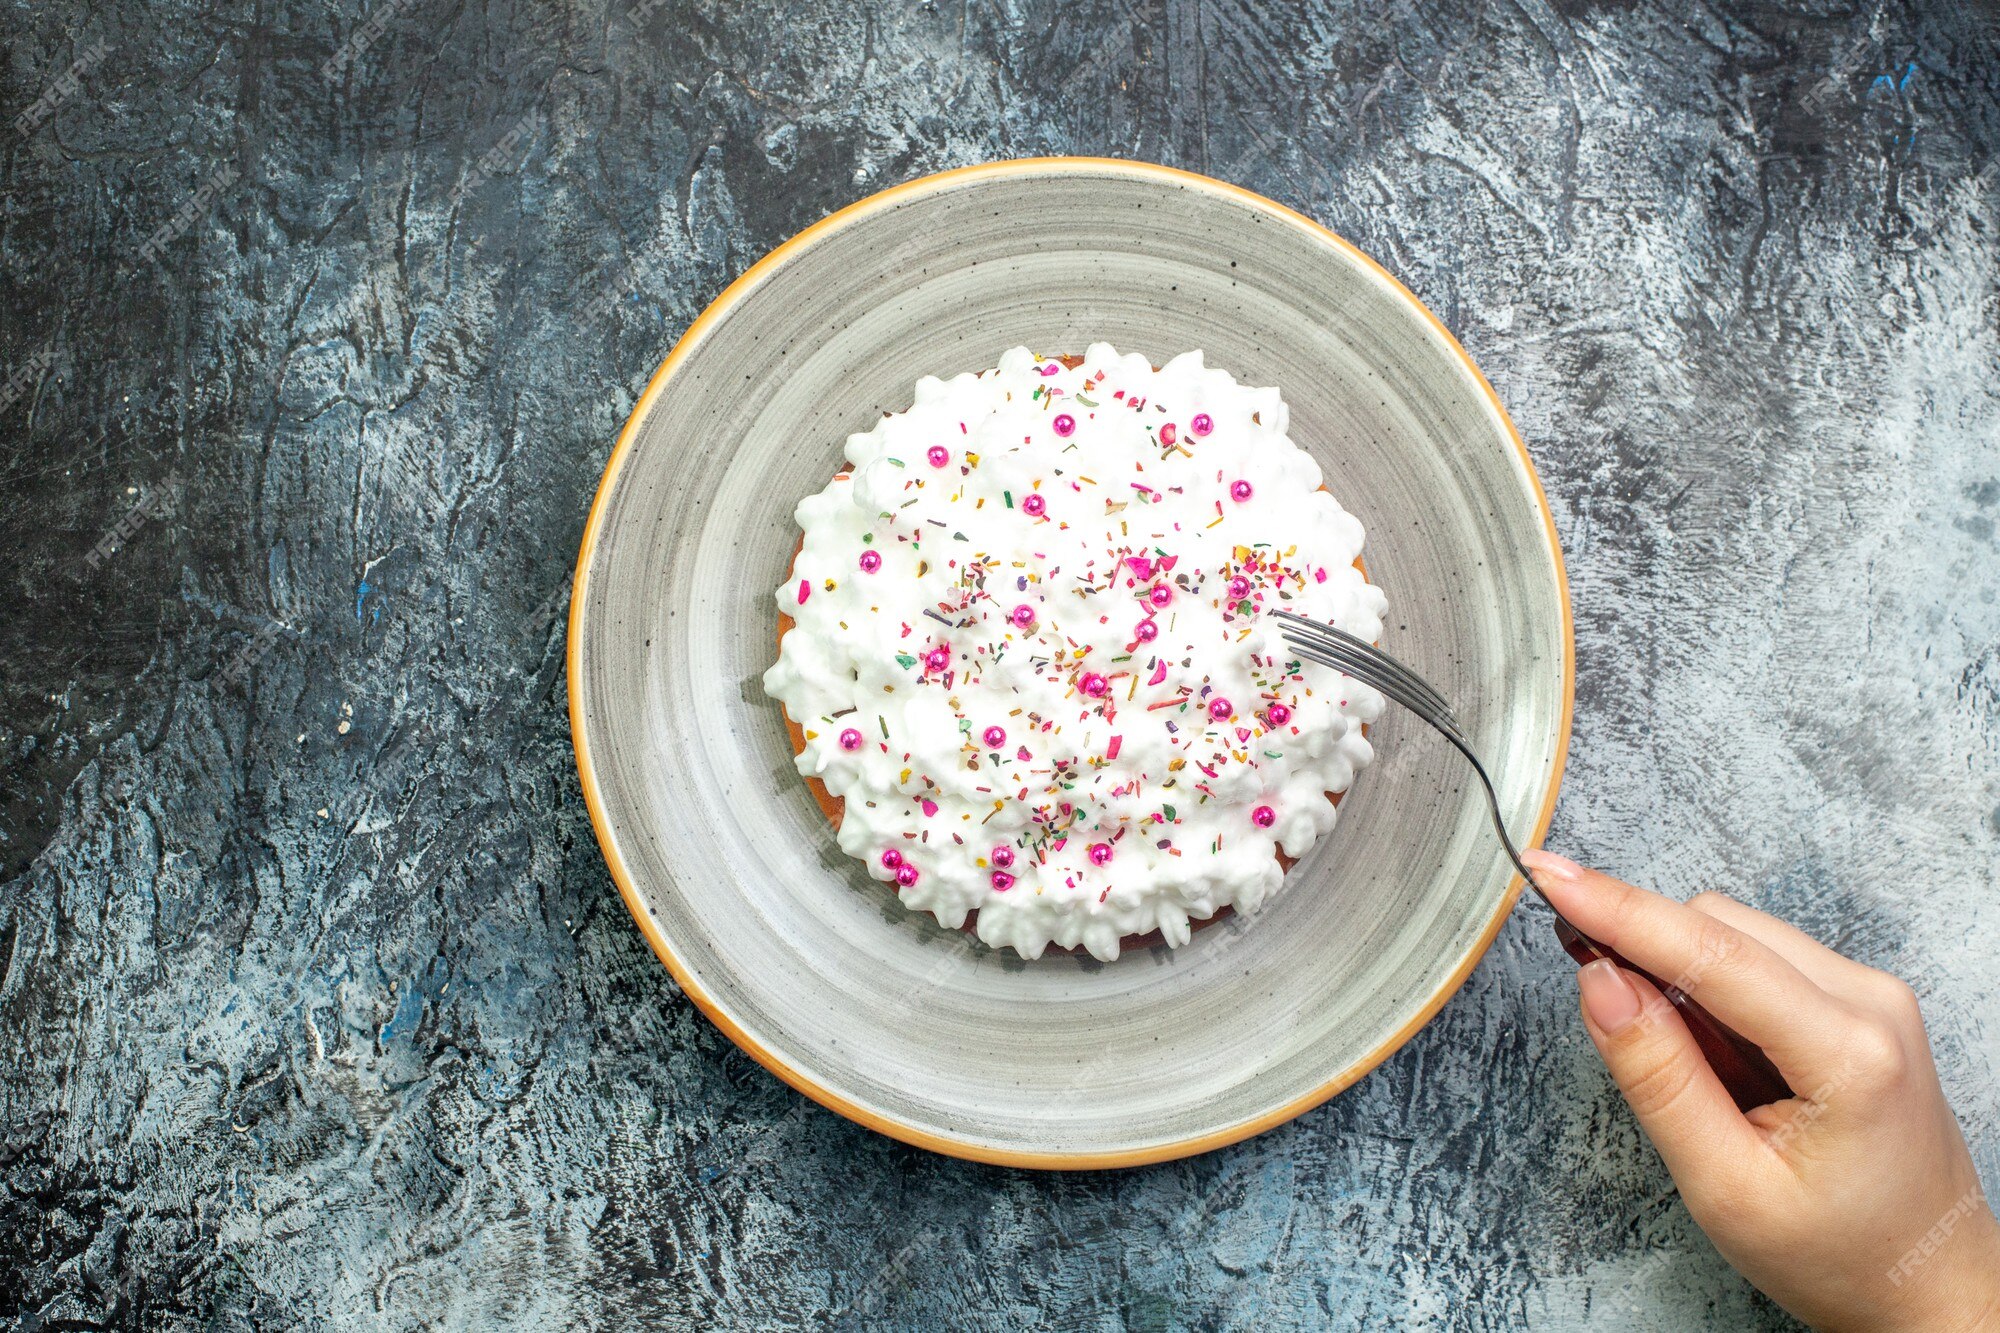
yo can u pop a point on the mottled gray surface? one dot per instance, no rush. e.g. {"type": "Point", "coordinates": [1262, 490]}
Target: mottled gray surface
{"type": "Point", "coordinates": [316, 1002]}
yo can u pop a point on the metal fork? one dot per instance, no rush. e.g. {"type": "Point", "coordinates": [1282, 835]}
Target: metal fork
{"type": "Point", "coordinates": [1743, 1068]}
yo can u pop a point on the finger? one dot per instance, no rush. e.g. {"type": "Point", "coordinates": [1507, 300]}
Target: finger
{"type": "Point", "coordinates": [1735, 977]}
{"type": "Point", "coordinates": [1655, 1062]}
{"type": "Point", "coordinates": [1830, 971]}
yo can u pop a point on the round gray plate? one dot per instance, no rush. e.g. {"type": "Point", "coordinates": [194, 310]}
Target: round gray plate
{"type": "Point", "coordinates": [728, 864]}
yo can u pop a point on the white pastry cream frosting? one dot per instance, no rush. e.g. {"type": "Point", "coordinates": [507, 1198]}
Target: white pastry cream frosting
{"type": "Point", "coordinates": [1031, 652]}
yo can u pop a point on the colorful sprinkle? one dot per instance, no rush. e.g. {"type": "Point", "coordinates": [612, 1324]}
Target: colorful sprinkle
{"type": "Point", "coordinates": [986, 634]}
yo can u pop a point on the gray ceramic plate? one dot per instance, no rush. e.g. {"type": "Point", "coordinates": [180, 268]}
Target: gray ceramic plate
{"type": "Point", "coordinates": [729, 865]}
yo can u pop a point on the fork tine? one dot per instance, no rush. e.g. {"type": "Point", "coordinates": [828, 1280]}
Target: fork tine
{"type": "Point", "coordinates": [1369, 673]}
{"type": "Point", "coordinates": [1359, 667]}
{"type": "Point", "coordinates": [1368, 666]}
{"type": "Point", "coordinates": [1335, 634]}
{"type": "Point", "coordinates": [1334, 637]}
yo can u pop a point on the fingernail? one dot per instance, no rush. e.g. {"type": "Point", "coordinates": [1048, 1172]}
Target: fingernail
{"type": "Point", "coordinates": [1550, 864]}
{"type": "Point", "coordinates": [1607, 996]}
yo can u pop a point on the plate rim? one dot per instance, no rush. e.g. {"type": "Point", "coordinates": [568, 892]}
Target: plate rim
{"type": "Point", "coordinates": [628, 890]}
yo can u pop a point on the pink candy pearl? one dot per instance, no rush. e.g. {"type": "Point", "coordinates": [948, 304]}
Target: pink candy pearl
{"type": "Point", "coordinates": [1100, 853]}
{"type": "Point", "coordinates": [939, 455]}
{"type": "Point", "coordinates": [1034, 506]}
{"type": "Point", "coordinates": [1263, 816]}
{"type": "Point", "coordinates": [1239, 587]}
{"type": "Point", "coordinates": [1202, 423]}
{"type": "Point", "coordinates": [906, 874]}
{"type": "Point", "coordinates": [1219, 708]}
{"type": "Point", "coordinates": [1159, 595]}
{"type": "Point", "coordinates": [1065, 424]}
{"type": "Point", "coordinates": [1023, 615]}
{"type": "Point", "coordinates": [937, 659]}
{"type": "Point", "coordinates": [1239, 490]}
{"type": "Point", "coordinates": [1146, 631]}
{"type": "Point", "coordinates": [995, 737]}
{"type": "Point", "coordinates": [1003, 856]}
{"type": "Point", "coordinates": [1278, 714]}
{"type": "Point", "coordinates": [850, 739]}
{"type": "Point", "coordinates": [1168, 433]}
{"type": "Point", "coordinates": [1093, 684]}
{"type": "Point", "coordinates": [891, 858]}
{"type": "Point", "coordinates": [870, 561]}
{"type": "Point", "coordinates": [1002, 881]}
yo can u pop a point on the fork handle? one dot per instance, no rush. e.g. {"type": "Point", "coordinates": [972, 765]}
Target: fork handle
{"type": "Point", "coordinates": [1748, 1074]}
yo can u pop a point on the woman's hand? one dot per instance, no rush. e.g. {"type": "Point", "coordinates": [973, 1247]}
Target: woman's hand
{"type": "Point", "coordinates": [1854, 1204]}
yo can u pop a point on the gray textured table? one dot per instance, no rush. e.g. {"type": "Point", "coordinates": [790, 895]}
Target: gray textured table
{"type": "Point", "coordinates": [316, 1001]}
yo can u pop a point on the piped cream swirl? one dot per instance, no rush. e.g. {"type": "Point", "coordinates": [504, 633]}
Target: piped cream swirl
{"type": "Point", "coordinates": [1030, 653]}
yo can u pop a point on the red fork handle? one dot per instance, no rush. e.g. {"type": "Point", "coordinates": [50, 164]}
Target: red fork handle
{"type": "Point", "coordinates": [1739, 1062]}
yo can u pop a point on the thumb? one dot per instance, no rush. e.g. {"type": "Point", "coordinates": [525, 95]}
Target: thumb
{"type": "Point", "coordinates": [1655, 1062]}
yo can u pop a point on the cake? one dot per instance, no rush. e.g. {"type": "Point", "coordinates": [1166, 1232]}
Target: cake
{"type": "Point", "coordinates": [1026, 662]}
